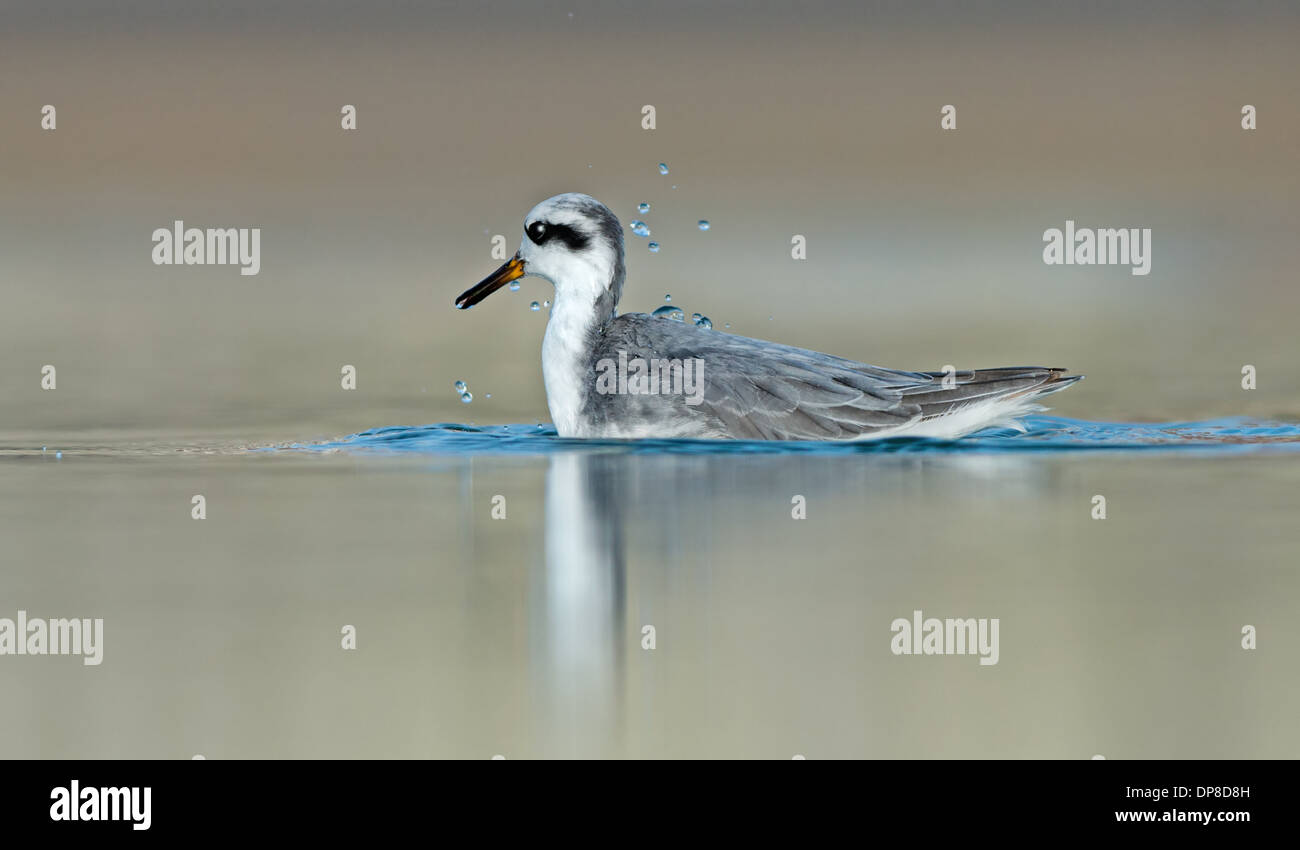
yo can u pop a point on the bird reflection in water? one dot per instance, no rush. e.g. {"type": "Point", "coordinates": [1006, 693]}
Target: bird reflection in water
{"type": "Point", "coordinates": [579, 617]}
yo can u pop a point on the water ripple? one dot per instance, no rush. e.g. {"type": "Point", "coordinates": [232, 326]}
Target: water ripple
{"type": "Point", "coordinates": [1044, 433]}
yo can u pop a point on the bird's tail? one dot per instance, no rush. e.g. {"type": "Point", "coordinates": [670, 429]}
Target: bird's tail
{"type": "Point", "coordinates": [986, 397]}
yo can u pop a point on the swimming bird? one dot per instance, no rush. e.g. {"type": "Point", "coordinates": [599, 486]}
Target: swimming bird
{"type": "Point", "coordinates": [743, 388]}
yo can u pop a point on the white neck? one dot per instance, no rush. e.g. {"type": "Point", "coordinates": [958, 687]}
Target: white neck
{"type": "Point", "coordinates": [565, 358]}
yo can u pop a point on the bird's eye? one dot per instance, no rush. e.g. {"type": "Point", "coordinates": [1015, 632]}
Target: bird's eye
{"type": "Point", "coordinates": [537, 232]}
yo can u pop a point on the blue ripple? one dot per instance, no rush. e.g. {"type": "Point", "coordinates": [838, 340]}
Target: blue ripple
{"type": "Point", "coordinates": [1044, 433]}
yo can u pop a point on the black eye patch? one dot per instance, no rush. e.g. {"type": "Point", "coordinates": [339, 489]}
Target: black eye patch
{"type": "Point", "coordinates": [541, 232]}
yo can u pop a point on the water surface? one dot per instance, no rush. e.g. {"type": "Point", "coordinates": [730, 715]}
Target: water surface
{"type": "Point", "coordinates": [523, 636]}
{"type": "Point", "coordinates": [1038, 433]}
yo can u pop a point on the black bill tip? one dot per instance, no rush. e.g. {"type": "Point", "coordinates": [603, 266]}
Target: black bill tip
{"type": "Point", "coordinates": [512, 269]}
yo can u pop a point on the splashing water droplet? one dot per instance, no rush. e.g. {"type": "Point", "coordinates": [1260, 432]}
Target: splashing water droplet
{"type": "Point", "coordinates": [639, 228]}
{"type": "Point", "coordinates": [461, 386]}
{"type": "Point", "coordinates": [704, 224]}
{"type": "Point", "coordinates": [534, 306]}
{"type": "Point", "coordinates": [643, 207]}
{"type": "Point", "coordinates": [514, 286]}
{"type": "Point", "coordinates": [466, 397]}
{"type": "Point", "coordinates": [654, 247]}
{"type": "Point", "coordinates": [703, 322]}
{"type": "Point", "coordinates": [670, 312]}
{"type": "Point", "coordinates": [663, 168]}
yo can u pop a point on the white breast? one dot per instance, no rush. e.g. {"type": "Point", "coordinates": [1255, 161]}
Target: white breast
{"type": "Point", "coordinates": [564, 365]}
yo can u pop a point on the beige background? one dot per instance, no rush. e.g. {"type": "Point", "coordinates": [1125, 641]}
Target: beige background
{"type": "Point", "coordinates": [522, 637]}
{"type": "Point", "coordinates": [924, 246]}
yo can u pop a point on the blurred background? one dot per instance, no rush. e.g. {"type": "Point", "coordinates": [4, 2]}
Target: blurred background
{"type": "Point", "coordinates": [522, 637]}
{"type": "Point", "coordinates": [924, 247]}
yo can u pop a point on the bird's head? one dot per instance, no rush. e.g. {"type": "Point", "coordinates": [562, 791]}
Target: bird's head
{"type": "Point", "coordinates": [572, 240]}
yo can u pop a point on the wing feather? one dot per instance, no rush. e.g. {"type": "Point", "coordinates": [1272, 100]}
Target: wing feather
{"type": "Point", "coordinates": [763, 390]}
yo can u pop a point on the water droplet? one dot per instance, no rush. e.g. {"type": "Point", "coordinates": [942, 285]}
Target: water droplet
{"type": "Point", "coordinates": [639, 228]}
{"type": "Point", "coordinates": [674, 185]}
{"type": "Point", "coordinates": [58, 455]}
{"type": "Point", "coordinates": [643, 207]}
{"type": "Point", "coordinates": [654, 247]}
{"type": "Point", "coordinates": [667, 298]}
{"type": "Point", "coordinates": [703, 322]}
{"type": "Point", "coordinates": [489, 395]}
{"type": "Point", "coordinates": [534, 306]}
{"type": "Point", "coordinates": [727, 325]}
{"type": "Point", "coordinates": [663, 168]}
{"type": "Point", "coordinates": [546, 303]}
{"type": "Point", "coordinates": [461, 386]}
{"type": "Point", "coordinates": [704, 224]}
{"type": "Point", "coordinates": [670, 312]}
{"type": "Point", "coordinates": [466, 397]}
{"type": "Point", "coordinates": [514, 286]}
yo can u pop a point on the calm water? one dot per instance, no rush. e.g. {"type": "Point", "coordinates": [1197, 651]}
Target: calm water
{"type": "Point", "coordinates": [523, 636]}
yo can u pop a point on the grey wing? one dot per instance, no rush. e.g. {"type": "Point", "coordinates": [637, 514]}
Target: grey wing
{"type": "Point", "coordinates": [767, 391]}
